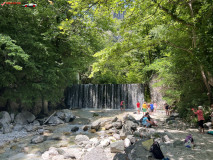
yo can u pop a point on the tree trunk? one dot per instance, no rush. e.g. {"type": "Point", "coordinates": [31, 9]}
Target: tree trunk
{"type": "Point", "coordinates": [45, 107]}
{"type": "Point", "coordinates": [194, 46]}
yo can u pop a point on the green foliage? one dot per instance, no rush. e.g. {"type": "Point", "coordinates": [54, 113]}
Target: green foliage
{"type": "Point", "coordinates": [43, 49]}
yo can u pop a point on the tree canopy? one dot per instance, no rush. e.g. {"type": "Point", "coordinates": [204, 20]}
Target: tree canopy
{"type": "Point", "coordinates": [43, 49]}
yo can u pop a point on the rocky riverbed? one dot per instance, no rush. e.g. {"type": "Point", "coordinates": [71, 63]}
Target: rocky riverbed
{"type": "Point", "coordinates": [103, 135]}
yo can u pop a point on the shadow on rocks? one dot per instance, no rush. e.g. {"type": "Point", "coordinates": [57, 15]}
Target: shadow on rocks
{"type": "Point", "coordinates": [120, 156]}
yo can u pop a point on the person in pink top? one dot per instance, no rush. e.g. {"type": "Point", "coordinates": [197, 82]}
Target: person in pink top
{"type": "Point", "coordinates": [200, 117]}
{"type": "Point", "coordinates": [138, 106]}
{"type": "Point", "coordinates": [122, 105]}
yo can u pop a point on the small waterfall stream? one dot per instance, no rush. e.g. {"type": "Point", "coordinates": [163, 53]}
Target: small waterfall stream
{"type": "Point", "coordinates": [104, 96]}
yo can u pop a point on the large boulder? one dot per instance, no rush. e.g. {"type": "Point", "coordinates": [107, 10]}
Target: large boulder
{"type": "Point", "coordinates": [55, 120]}
{"type": "Point", "coordinates": [130, 118]}
{"type": "Point", "coordinates": [95, 154]}
{"type": "Point", "coordinates": [117, 147]}
{"type": "Point", "coordinates": [137, 151]}
{"type": "Point", "coordinates": [120, 156]}
{"type": "Point", "coordinates": [24, 117]}
{"type": "Point", "coordinates": [96, 125]}
{"type": "Point", "coordinates": [18, 127]}
{"type": "Point", "coordinates": [129, 127]}
{"type": "Point", "coordinates": [5, 118]}
{"type": "Point", "coordinates": [65, 115]}
{"type": "Point", "coordinates": [117, 125]}
{"type": "Point", "coordinates": [7, 128]}
{"type": "Point", "coordinates": [79, 139]}
{"type": "Point", "coordinates": [50, 153]}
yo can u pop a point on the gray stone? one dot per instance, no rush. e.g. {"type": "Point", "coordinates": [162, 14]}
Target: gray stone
{"type": "Point", "coordinates": [50, 153]}
{"type": "Point", "coordinates": [105, 142]}
{"type": "Point", "coordinates": [115, 119]}
{"type": "Point", "coordinates": [122, 135]}
{"type": "Point", "coordinates": [41, 131]}
{"type": "Point", "coordinates": [94, 141]}
{"type": "Point", "coordinates": [208, 125]}
{"type": "Point", "coordinates": [18, 127]}
{"type": "Point", "coordinates": [55, 120]}
{"type": "Point", "coordinates": [12, 116]}
{"type": "Point", "coordinates": [117, 136]}
{"type": "Point", "coordinates": [65, 115]}
{"type": "Point", "coordinates": [120, 156]}
{"type": "Point", "coordinates": [95, 154]}
{"type": "Point", "coordinates": [75, 129]}
{"type": "Point", "coordinates": [37, 139]}
{"type": "Point", "coordinates": [96, 125]}
{"type": "Point", "coordinates": [36, 123]}
{"type": "Point", "coordinates": [5, 118]}
{"type": "Point", "coordinates": [117, 147]}
{"type": "Point", "coordinates": [131, 138]}
{"type": "Point", "coordinates": [130, 118]}
{"type": "Point", "coordinates": [81, 138]}
{"type": "Point", "coordinates": [24, 117]}
{"type": "Point", "coordinates": [31, 127]}
{"type": "Point", "coordinates": [60, 115]}
{"type": "Point", "coordinates": [75, 153]}
{"type": "Point", "coordinates": [28, 116]}
{"type": "Point", "coordinates": [117, 125]}
{"type": "Point", "coordinates": [85, 128]}
{"type": "Point", "coordinates": [178, 143]}
{"type": "Point", "coordinates": [127, 142]}
{"type": "Point", "coordinates": [108, 126]}
{"type": "Point", "coordinates": [137, 151]}
{"type": "Point", "coordinates": [7, 128]}
{"type": "Point", "coordinates": [129, 127]}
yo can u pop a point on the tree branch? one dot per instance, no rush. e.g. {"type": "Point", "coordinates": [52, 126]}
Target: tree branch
{"type": "Point", "coordinates": [184, 49]}
{"type": "Point", "coordinates": [175, 17]}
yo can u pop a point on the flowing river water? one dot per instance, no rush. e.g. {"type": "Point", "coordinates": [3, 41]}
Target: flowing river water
{"type": "Point", "coordinates": [60, 136]}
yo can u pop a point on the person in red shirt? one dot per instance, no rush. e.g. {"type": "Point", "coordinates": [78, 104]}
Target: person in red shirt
{"type": "Point", "coordinates": [122, 105]}
{"type": "Point", "coordinates": [138, 106]}
{"type": "Point", "coordinates": [200, 117]}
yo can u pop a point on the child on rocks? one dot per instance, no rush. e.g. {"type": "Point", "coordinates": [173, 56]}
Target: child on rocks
{"type": "Point", "coordinates": [200, 117]}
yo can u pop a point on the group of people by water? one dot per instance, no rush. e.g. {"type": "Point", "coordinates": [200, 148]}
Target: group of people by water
{"type": "Point", "coordinates": [148, 108]}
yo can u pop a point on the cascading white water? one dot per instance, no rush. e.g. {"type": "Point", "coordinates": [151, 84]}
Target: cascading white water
{"type": "Point", "coordinates": [106, 96]}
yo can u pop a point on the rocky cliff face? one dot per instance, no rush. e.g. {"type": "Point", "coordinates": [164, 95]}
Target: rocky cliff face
{"type": "Point", "coordinates": [156, 92]}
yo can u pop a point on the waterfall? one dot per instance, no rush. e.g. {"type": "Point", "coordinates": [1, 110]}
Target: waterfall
{"type": "Point", "coordinates": [104, 96]}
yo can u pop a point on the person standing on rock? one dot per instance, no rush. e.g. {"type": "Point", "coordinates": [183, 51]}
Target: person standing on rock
{"type": "Point", "coordinates": [166, 109]}
{"type": "Point", "coordinates": [144, 107]}
{"type": "Point", "coordinates": [151, 107]}
{"type": "Point", "coordinates": [200, 117]}
{"type": "Point", "coordinates": [138, 106]}
{"type": "Point", "coordinates": [122, 105]}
